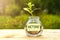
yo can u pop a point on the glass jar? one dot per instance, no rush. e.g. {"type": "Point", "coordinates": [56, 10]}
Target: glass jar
{"type": "Point", "coordinates": [33, 26]}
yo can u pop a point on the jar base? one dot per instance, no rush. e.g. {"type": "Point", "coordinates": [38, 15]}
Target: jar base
{"type": "Point", "coordinates": [35, 35]}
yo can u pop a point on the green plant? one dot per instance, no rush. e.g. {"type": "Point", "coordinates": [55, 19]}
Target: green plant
{"type": "Point", "coordinates": [50, 21]}
{"type": "Point", "coordinates": [7, 22]}
{"type": "Point", "coordinates": [30, 8]}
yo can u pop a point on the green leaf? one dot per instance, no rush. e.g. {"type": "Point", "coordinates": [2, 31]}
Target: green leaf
{"type": "Point", "coordinates": [26, 9]}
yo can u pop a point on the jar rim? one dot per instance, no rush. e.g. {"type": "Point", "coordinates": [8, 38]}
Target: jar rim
{"type": "Point", "coordinates": [36, 17]}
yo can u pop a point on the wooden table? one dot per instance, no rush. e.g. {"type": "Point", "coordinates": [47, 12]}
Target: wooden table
{"type": "Point", "coordinates": [19, 34]}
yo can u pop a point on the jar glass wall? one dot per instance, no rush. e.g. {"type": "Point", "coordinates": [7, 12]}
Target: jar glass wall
{"type": "Point", "coordinates": [34, 26]}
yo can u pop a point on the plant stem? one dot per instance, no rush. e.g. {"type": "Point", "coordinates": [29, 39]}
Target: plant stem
{"type": "Point", "coordinates": [31, 13]}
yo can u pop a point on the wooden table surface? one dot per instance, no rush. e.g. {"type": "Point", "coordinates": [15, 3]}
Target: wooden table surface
{"type": "Point", "coordinates": [19, 34]}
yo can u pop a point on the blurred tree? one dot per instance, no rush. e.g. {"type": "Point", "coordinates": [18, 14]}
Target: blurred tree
{"type": "Point", "coordinates": [12, 9]}
{"type": "Point", "coordinates": [53, 6]}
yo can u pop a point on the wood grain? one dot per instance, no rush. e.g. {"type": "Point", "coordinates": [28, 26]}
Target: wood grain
{"type": "Point", "coordinates": [19, 34]}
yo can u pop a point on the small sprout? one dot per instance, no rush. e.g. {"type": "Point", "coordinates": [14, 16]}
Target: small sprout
{"type": "Point", "coordinates": [29, 8]}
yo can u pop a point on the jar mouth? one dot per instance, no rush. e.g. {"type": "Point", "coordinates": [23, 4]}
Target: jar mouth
{"type": "Point", "coordinates": [31, 17]}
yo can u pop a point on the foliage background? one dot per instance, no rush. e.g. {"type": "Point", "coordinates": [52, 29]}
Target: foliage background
{"type": "Point", "coordinates": [12, 15]}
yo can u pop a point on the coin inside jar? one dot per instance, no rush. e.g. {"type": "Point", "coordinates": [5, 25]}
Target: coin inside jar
{"type": "Point", "coordinates": [33, 32]}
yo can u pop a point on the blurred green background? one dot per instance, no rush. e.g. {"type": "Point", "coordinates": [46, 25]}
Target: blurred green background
{"type": "Point", "coordinates": [12, 15]}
